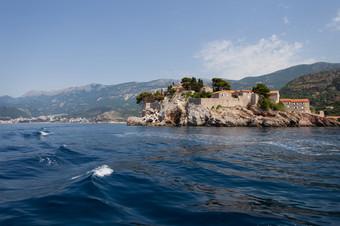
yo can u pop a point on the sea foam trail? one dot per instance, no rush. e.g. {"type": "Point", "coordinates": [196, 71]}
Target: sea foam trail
{"type": "Point", "coordinates": [100, 171]}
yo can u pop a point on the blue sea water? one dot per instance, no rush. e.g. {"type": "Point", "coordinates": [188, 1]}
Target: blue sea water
{"type": "Point", "coordinates": [62, 174]}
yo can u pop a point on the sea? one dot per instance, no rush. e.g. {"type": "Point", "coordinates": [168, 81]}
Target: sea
{"type": "Point", "coordinates": [113, 174]}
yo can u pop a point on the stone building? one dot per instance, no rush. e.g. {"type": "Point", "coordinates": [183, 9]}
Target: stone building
{"type": "Point", "coordinates": [207, 89]}
{"type": "Point", "coordinates": [227, 98]}
{"type": "Point", "coordinates": [297, 105]}
{"type": "Point", "coordinates": [179, 88]}
{"type": "Point", "coordinates": [151, 105]}
{"type": "Point", "coordinates": [230, 98]}
{"type": "Point", "coordinates": [221, 94]}
{"type": "Point", "coordinates": [274, 96]}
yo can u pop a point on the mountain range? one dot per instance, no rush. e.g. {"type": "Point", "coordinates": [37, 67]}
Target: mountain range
{"type": "Point", "coordinates": [95, 99]}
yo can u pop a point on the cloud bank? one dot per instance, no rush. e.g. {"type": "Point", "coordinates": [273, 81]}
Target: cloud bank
{"type": "Point", "coordinates": [235, 61]}
{"type": "Point", "coordinates": [335, 23]}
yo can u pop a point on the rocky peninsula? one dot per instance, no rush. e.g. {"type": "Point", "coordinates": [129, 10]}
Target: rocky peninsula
{"type": "Point", "coordinates": [176, 110]}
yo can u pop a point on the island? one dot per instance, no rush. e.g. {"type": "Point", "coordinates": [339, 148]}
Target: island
{"type": "Point", "coordinates": [192, 104]}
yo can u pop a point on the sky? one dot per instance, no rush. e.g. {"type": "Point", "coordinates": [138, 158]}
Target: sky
{"type": "Point", "coordinates": [54, 44]}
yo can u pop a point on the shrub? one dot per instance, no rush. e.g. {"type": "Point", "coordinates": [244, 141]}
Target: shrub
{"type": "Point", "coordinates": [279, 107]}
{"type": "Point", "coordinates": [218, 106]}
{"type": "Point", "coordinates": [266, 104]}
{"type": "Point", "coordinates": [202, 94]}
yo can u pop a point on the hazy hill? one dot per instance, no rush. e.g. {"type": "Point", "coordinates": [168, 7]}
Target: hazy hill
{"type": "Point", "coordinates": [88, 101]}
{"type": "Point", "coordinates": [322, 89]}
{"type": "Point", "coordinates": [278, 79]}
{"type": "Point", "coordinates": [11, 112]}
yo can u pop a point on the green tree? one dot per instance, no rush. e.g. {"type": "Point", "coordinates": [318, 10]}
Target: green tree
{"type": "Point", "coordinates": [220, 84]}
{"type": "Point", "coordinates": [192, 84]}
{"type": "Point", "coordinates": [158, 96]}
{"type": "Point", "coordinates": [145, 97]}
{"type": "Point", "coordinates": [262, 90]}
{"type": "Point", "coordinates": [200, 83]}
{"type": "Point", "coordinates": [186, 83]}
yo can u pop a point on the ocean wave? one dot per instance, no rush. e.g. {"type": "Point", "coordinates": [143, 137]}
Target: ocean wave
{"type": "Point", "coordinates": [100, 171]}
{"type": "Point", "coordinates": [43, 133]}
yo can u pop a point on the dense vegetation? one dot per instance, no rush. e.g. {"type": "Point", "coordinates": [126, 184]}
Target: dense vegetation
{"type": "Point", "coordinates": [265, 103]}
{"type": "Point", "coordinates": [322, 89]}
{"type": "Point", "coordinates": [219, 84]}
{"type": "Point", "coordinates": [192, 84]}
{"type": "Point", "coordinates": [11, 112]}
{"type": "Point", "coordinates": [147, 97]}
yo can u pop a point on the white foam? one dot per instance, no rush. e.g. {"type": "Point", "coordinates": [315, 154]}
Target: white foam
{"type": "Point", "coordinates": [42, 133]}
{"type": "Point", "coordinates": [73, 178]}
{"type": "Point", "coordinates": [48, 161]}
{"type": "Point", "coordinates": [102, 171]}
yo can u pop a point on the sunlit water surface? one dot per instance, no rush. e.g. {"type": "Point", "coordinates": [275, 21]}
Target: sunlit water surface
{"type": "Point", "coordinates": [115, 174]}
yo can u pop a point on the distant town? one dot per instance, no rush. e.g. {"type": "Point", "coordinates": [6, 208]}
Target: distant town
{"type": "Point", "coordinates": [59, 118]}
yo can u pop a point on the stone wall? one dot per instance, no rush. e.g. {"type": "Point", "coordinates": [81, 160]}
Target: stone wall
{"type": "Point", "coordinates": [153, 105]}
{"type": "Point", "coordinates": [226, 101]}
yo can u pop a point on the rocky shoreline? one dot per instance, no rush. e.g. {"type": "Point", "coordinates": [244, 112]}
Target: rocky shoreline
{"type": "Point", "coordinates": [177, 111]}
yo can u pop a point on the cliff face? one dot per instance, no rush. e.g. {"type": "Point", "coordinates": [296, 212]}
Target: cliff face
{"type": "Point", "coordinates": [178, 112]}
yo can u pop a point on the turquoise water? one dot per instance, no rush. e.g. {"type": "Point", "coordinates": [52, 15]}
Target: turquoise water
{"type": "Point", "coordinates": [114, 174]}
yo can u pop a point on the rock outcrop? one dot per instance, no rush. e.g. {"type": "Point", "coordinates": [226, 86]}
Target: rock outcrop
{"type": "Point", "coordinates": [109, 117]}
{"type": "Point", "coordinates": [177, 111]}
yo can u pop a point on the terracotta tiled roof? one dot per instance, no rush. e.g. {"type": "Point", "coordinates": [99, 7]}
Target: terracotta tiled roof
{"type": "Point", "coordinates": [218, 91]}
{"type": "Point", "coordinates": [333, 117]}
{"type": "Point", "coordinates": [246, 90]}
{"type": "Point", "coordinates": [177, 87]}
{"type": "Point", "coordinates": [231, 91]}
{"type": "Point", "coordinates": [205, 87]}
{"type": "Point", "coordinates": [294, 100]}
{"type": "Point", "coordinates": [273, 91]}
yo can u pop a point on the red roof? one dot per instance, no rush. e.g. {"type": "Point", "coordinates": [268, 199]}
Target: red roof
{"type": "Point", "coordinates": [246, 90]}
{"type": "Point", "coordinates": [294, 100]}
{"type": "Point", "coordinates": [274, 91]}
{"type": "Point", "coordinates": [218, 91]}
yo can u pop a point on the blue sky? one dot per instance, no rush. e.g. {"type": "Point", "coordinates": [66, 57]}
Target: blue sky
{"type": "Point", "coordinates": [48, 45]}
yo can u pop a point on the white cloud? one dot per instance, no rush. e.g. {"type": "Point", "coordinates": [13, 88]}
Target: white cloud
{"type": "Point", "coordinates": [335, 23]}
{"type": "Point", "coordinates": [285, 20]}
{"type": "Point", "coordinates": [235, 61]}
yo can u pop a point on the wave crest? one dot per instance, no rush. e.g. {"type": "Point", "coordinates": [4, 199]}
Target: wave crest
{"type": "Point", "coordinates": [102, 171]}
